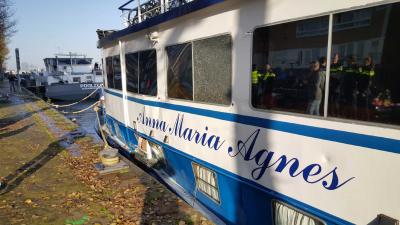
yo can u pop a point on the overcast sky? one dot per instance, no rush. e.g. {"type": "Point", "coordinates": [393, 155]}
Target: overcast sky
{"type": "Point", "coordinates": [46, 27]}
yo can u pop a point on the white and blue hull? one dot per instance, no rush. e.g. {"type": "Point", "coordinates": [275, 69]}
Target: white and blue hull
{"type": "Point", "coordinates": [246, 200]}
{"type": "Point", "coordinates": [340, 171]}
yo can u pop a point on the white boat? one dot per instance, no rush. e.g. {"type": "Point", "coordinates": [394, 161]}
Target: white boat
{"type": "Point", "coordinates": [71, 76]}
{"type": "Point", "coordinates": [188, 92]}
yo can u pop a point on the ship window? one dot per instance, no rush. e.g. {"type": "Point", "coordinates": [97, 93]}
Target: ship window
{"type": "Point", "coordinates": [110, 72]}
{"type": "Point", "coordinates": [212, 63]}
{"type": "Point", "coordinates": [117, 72]}
{"type": "Point", "coordinates": [148, 72]}
{"type": "Point", "coordinates": [76, 79]}
{"type": "Point", "coordinates": [288, 71]}
{"type": "Point", "coordinates": [364, 86]}
{"type": "Point", "coordinates": [287, 215]}
{"type": "Point", "coordinates": [206, 182]}
{"type": "Point", "coordinates": [201, 70]}
{"type": "Point", "coordinates": [141, 72]}
{"type": "Point", "coordinates": [113, 68]}
{"type": "Point", "coordinates": [180, 75]}
{"type": "Point", "coordinates": [132, 72]}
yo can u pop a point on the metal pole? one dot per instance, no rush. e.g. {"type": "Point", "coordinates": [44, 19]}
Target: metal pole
{"type": "Point", "coordinates": [70, 59]}
{"type": "Point", "coordinates": [162, 6]}
{"type": "Point", "coordinates": [139, 12]}
{"type": "Point", "coordinates": [18, 69]}
{"type": "Point", "coordinates": [328, 65]}
{"type": "Point", "coordinates": [166, 5]}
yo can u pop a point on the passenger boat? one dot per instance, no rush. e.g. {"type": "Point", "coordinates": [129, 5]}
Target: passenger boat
{"type": "Point", "coordinates": [262, 112]}
{"type": "Point", "coordinates": [71, 77]}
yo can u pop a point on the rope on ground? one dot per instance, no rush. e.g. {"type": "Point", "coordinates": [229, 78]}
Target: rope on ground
{"type": "Point", "coordinates": [74, 103]}
{"type": "Point", "coordinates": [82, 110]}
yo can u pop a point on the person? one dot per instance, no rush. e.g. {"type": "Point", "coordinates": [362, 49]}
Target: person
{"type": "Point", "coordinates": [364, 79]}
{"type": "Point", "coordinates": [268, 80]}
{"type": "Point", "coordinates": [335, 85]}
{"type": "Point", "coordinates": [350, 73]}
{"type": "Point", "coordinates": [12, 80]}
{"type": "Point", "coordinates": [315, 88]}
{"type": "Point", "coordinates": [255, 84]}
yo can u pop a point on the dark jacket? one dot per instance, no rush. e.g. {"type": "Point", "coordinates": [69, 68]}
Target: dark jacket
{"type": "Point", "coordinates": [316, 85]}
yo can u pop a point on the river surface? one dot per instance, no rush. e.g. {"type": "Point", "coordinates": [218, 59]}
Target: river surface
{"type": "Point", "coordinates": [86, 120]}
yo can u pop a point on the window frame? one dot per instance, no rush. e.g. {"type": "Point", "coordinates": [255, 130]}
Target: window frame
{"type": "Point", "coordinates": [273, 201]}
{"type": "Point", "coordinates": [113, 75]}
{"type": "Point", "coordinates": [106, 71]}
{"type": "Point", "coordinates": [120, 71]}
{"type": "Point", "coordinates": [126, 72]}
{"type": "Point", "coordinates": [166, 66]}
{"type": "Point", "coordinates": [76, 79]}
{"type": "Point", "coordinates": [231, 77]}
{"type": "Point", "coordinates": [216, 183]}
{"type": "Point", "coordinates": [126, 85]}
{"type": "Point", "coordinates": [325, 116]}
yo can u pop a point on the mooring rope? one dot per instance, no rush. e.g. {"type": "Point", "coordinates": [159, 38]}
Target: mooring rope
{"type": "Point", "coordinates": [82, 110]}
{"type": "Point", "coordinates": [74, 103]}
{"type": "Point", "coordinates": [64, 106]}
{"type": "Point", "coordinates": [96, 109]}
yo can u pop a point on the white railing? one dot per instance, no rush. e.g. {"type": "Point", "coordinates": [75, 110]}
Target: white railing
{"type": "Point", "coordinates": [146, 9]}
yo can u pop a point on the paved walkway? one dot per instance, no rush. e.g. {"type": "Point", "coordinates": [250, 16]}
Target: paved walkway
{"type": "Point", "coordinates": [42, 183]}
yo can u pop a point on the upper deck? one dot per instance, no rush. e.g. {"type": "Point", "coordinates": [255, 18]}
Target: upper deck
{"type": "Point", "coordinates": [151, 13]}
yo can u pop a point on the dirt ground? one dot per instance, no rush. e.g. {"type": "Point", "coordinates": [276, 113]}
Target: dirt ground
{"type": "Point", "coordinates": [43, 183]}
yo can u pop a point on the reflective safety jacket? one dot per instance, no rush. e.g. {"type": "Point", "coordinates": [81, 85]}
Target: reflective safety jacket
{"type": "Point", "coordinates": [350, 70]}
{"type": "Point", "coordinates": [336, 68]}
{"type": "Point", "coordinates": [367, 71]}
{"type": "Point", "coordinates": [255, 76]}
{"type": "Point", "coordinates": [269, 75]}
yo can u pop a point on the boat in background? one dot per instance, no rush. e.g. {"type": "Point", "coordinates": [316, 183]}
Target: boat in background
{"type": "Point", "coordinates": [71, 77]}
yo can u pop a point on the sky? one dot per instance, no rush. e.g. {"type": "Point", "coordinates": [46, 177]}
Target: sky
{"type": "Point", "coordinates": [46, 27]}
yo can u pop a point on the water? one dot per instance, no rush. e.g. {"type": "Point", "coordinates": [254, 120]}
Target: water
{"type": "Point", "coordinates": [86, 120]}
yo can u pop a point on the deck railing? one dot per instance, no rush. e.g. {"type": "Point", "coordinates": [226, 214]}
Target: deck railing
{"type": "Point", "coordinates": [137, 11]}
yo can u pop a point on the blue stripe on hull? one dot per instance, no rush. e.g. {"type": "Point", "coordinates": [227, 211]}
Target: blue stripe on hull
{"type": "Point", "coordinates": [243, 201]}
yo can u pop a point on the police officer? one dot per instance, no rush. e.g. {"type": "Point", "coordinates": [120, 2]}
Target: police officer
{"type": "Point", "coordinates": [268, 80]}
{"type": "Point", "coordinates": [255, 85]}
{"type": "Point", "coordinates": [364, 79]}
{"type": "Point", "coordinates": [335, 85]}
{"type": "Point", "coordinates": [350, 73]}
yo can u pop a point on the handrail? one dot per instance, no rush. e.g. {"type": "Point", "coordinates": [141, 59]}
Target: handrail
{"type": "Point", "coordinates": [148, 9]}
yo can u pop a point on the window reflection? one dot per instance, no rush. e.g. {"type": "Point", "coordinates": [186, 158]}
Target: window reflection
{"type": "Point", "coordinates": [117, 72]}
{"type": "Point", "coordinates": [180, 75]}
{"type": "Point", "coordinates": [366, 43]}
{"type": "Point", "coordinates": [148, 72]}
{"type": "Point", "coordinates": [289, 62]}
{"type": "Point", "coordinates": [132, 72]}
{"type": "Point", "coordinates": [110, 72]}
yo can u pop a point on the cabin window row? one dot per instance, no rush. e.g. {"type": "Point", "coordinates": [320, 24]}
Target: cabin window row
{"type": "Point", "coordinates": [198, 71]}
{"type": "Point", "coordinates": [290, 61]}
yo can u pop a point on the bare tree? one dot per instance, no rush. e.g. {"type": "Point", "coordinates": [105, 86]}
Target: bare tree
{"type": "Point", "coordinates": [7, 28]}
